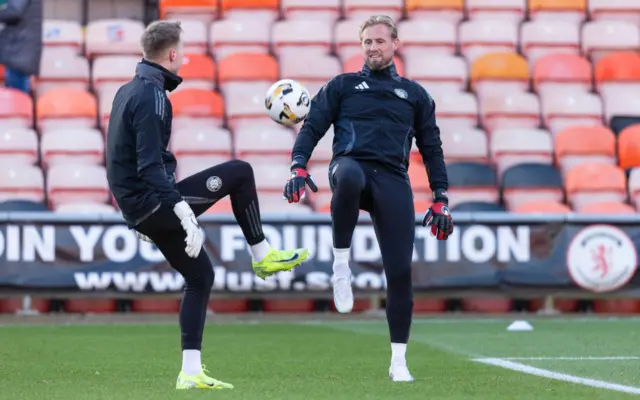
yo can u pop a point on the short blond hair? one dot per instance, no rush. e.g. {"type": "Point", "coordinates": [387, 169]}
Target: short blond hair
{"type": "Point", "coordinates": [380, 20]}
{"type": "Point", "coordinates": [159, 37]}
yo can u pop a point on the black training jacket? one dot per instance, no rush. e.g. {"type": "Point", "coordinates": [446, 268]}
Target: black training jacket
{"type": "Point", "coordinates": [376, 115]}
{"type": "Point", "coordinates": [140, 167]}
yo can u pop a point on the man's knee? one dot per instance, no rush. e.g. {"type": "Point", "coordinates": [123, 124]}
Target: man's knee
{"type": "Point", "coordinates": [242, 168]}
{"type": "Point", "coordinates": [349, 177]}
{"type": "Point", "coordinates": [201, 278]}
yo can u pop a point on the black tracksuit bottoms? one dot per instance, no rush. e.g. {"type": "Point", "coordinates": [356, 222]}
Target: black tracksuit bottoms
{"type": "Point", "coordinates": [201, 191]}
{"type": "Point", "coordinates": [388, 198]}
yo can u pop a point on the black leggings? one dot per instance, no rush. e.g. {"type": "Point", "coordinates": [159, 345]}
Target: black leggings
{"type": "Point", "coordinates": [387, 196]}
{"type": "Point", "coordinates": [201, 191]}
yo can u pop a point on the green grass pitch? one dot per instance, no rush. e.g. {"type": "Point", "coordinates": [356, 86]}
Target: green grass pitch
{"type": "Point", "coordinates": [327, 360]}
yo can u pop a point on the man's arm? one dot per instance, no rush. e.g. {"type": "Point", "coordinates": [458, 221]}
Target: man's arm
{"type": "Point", "coordinates": [323, 112]}
{"type": "Point", "coordinates": [12, 10]}
{"type": "Point", "coordinates": [429, 143]}
{"type": "Point", "coordinates": [148, 123]}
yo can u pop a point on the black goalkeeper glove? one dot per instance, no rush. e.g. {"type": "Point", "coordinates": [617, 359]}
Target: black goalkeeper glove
{"type": "Point", "coordinates": [294, 190]}
{"type": "Point", "coordinates": [438, 216]}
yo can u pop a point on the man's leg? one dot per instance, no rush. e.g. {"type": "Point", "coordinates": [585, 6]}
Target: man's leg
{"type": "Point", "coordinates": [165, 230]}
{"type": "Point", "coordinates": [348, 182]}
{"type": "Point", "coordinates": [393, 218]}
{"type": "Point", "coordinates": [235, 178]}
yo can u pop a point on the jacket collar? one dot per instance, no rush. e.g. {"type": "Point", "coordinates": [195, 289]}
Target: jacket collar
{"type": "Point", "coordinates": [389, 71]}
{"type": "Point", "coordinates": [160, 76]}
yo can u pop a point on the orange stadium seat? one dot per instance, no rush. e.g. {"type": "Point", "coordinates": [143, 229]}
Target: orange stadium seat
{"type": "Point", "coordinates": [617, 72]}
{"type": "Point", "coordinates": [239, 36]}
{"type": "Point", "coordinates": [468, 144]}
{"type": "Point", "coordinates": [531, 182]}
{"type": "Point", "coordinates": [440, 10]}
{"type": "Point", "coordinates": [312, 71]}
{"type": "Point", "coordinates": [70, 183]}
{"type": "Point", "coordinates": [456, 110]}
{"type": "Point", "coordinates": [439, 73]}
{"type": "Point", "coordinates": [576, 145]}
{"type": "Point", "coordinates": [602, 37]}
{"type": "Point", "coordinates": [72, 146]}
{"type": "Point", "coordinates": [346, 38]}
{"type": "Point", "coordinates": [355, 63]}
{"type": "Point", "coordinates": [629, 147]}
{"type": "Point", "coordinates": [362, 9]}
{"type": "Point", "coordinates": [561, 73]}
{"type": "Point", "coordinates": [328, 11]}
{"type": "Point", "coordinates": [634, 186]}
{"type": "Point", "coordinates": [21, 182]}
{"type": "Point", "coordinates": [607, 208]}
{"type": "Point", "coordinates": [203, 147]}
{"type": "Point", "coordinates": [574, 11]}
{"type": "Point", "coordinates": [420, 38]}
{"type": "Point", "coordinates": [541, 38]}
{"type": "Point", "coordinates": [499, 73]}
{"type": "Point", "coordinates": [196, 107]}
{"type": "Point", "coordinates": [595, 182]}
{"type": "Point", "coordinates": [268, 142]}
{"type": "Point", "coordinates": [542, 207]}
{"type": "Point", "coordinates": [244, 86]}
{"type": "Point", "coordinates": [512, 11]}
{"type": "Point", "coordinates": [198, 71]}
{"type": "Point", "coordinates": [66, 108]}
{"type": "Point", "coordinates": [113, 36]}
{"type": "Point", "coordinates": [111, 72]}
{"type": "Point", "coordinates": [514, 110]}
{"type": "Point", "coordinates": [618, 10]}
{"type": "Point", "coordinates": [19, 146]}
{"type": "Point", "coordinates": [1, 73]}
{"type": "Point", "coordinates": [195, 36]}
{"type": "Point", "coordinates": [256, 10]}
{"type": "Point", "coordinates": [16, 109]}
{"type": "Point", "coordinates": [320, 173]}
{"type": "Point", "coordinates": [515, 146]}
{"type": "Point", "coordinates": [59, 69]}
{"type": "Point", "coordinates": [566, 109]}
{"type": "Point", "coordinates": [204, 10]}
{"type": "Point", "coordinates": [62, 36]}
{"type": "Point", "coordinates": [419, 181]}
{"type": "Point", "coordinates": [480, 37]}
{"type": "Point", "coordinates": [296, 38]}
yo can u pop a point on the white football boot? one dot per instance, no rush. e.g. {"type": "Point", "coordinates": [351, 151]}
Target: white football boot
{"type": "Point", "coordinates": [398, 372]}
{"type": "Point", "coordinates": [342, 292]}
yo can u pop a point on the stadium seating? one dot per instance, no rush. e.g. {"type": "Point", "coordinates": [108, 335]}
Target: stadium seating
{"type": "Point", "coordinates": [198, 71]}
{"type": "Point", "coordinates": [514, 146]}
{"type": "Point", "coordinates": [19, 146]}
{"type": "Point", "coordinates": [541, 38]}
{"type": "Point", "coordinates": [469, 181]}
{"type": "Point", "coordinates": [557, 73]}
{"type": "Point", "coordinates": [449, 10]}
{"type": "Point", "coordinates": [511, 11]}
{"type": "Point", "coordinates": [619, 10]}
{"type": "Point", "coordinates": [527, 183]}
{"type": "Point", "coordinates": [204, 10]}
{"type": "Point", "coordinates": [584, 144]}
{"type": "Point", "coordinates": [16, 109]}
{"type": "Point", "coordinates": [593, 182]}
{"type": "Point", "coordinates": [328, 11]}
{"type": "Point", "coordinates": [574, 11]}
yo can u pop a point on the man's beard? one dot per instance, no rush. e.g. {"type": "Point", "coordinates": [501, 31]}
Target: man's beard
{"type": "Point", "coordinates": [377, 63]}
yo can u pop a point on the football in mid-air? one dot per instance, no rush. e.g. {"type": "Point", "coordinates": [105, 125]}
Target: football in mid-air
{"type": "Point", "coordinates": [287, 102]}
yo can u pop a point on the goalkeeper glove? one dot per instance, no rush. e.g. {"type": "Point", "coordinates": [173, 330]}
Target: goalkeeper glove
{"type": "Point", "coordinates": [438, 216]}
{"type": "Point", "coordinates": [190, 225]}
{"type": "Point", "coordinates": [294, 190]}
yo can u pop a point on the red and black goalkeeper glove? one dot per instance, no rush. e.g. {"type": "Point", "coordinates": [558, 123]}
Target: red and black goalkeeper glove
{"type": "Point", "coordinates": [295, 187]}
{"type": "Point", "coordinates": [438, 216]}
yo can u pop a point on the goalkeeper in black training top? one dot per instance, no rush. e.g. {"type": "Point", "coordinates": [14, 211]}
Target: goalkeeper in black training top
{"type": "Point", "coordinates": [140, 171]}
{"type": "Point", "coordinates": [376, 114]}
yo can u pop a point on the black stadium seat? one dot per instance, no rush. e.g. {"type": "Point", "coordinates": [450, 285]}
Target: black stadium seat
{"type": "Point", "coordinates": [471, 182]}
{"type": "Point", "coordinates": [531, 181]}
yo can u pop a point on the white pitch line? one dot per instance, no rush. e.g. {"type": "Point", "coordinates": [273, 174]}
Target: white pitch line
{"type": "Point", "coordinates": [545, 373]}
{"type": "Point", "coordinates": [560, 358]}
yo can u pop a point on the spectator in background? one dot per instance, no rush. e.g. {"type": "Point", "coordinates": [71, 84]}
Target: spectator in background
{"type": "Point", "coordinates": [20, 41]}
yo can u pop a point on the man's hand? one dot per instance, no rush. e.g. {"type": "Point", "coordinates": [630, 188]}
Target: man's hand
{"type": "Point", "coordinates": [438, 216]}
{"type": "Point", "coordinates": [294, 190]}
{"type": "Point", "coordinates": [190, 225]}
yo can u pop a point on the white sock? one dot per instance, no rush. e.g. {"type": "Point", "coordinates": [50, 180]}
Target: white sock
{"type": "Point", "coordinates": [259, 251]}
{"type": "Point", "coordinates": [191, 363]}
{"type": "Point", "coordinates": [341, 262]}
{"type": "Point", "coordinates": [398, 352]}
